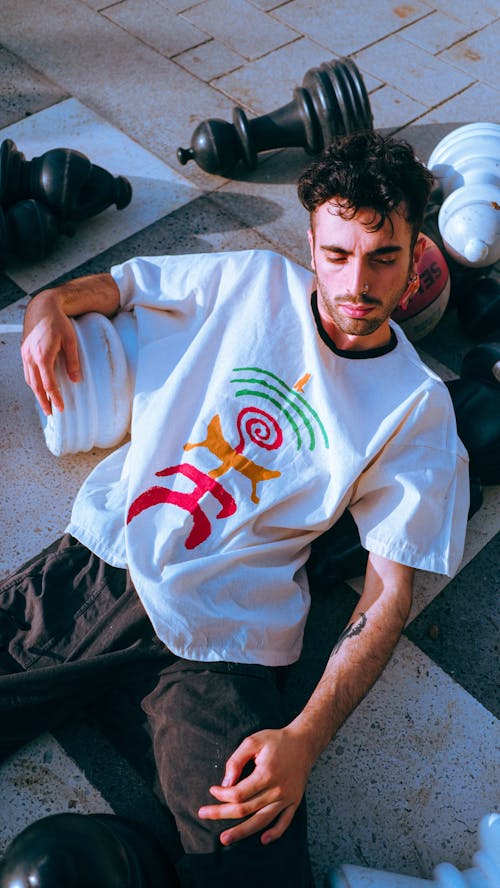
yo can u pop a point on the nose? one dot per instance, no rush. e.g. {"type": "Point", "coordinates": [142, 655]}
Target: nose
{"type": "Point", "coordinates": [357, 280]}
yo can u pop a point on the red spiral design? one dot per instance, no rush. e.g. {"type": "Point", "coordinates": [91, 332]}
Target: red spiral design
{"type": "Point", "coordinates": [261, 428]}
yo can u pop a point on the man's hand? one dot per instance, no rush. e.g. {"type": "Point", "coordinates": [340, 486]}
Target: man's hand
{"type": "Point", "coordinates": [48, 332]}
{"type": "Point", "coordinates": [283, 758]}
{"type": "Point", "coordinates": [270, 794]}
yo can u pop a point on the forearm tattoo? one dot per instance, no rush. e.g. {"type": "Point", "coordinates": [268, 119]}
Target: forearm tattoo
{"type": "Point", "coordinates": [349, 632]}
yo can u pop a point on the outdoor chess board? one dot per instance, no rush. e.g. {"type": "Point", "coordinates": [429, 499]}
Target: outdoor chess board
{"type": "Point", "coordinates": [406, 781]}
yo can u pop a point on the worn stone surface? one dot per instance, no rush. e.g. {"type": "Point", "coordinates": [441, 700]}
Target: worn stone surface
{"type": "Point", "coordinates": [406, 781]}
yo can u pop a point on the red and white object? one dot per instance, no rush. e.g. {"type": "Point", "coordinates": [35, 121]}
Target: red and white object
{"type": "Point", "coordinates": [427, 307]}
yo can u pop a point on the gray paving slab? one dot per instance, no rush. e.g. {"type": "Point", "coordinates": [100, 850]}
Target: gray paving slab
{"type": "Point", "coordinates": [475, 13]}
{"type": "Point", "coordinates": [241, 26]}
{"type": "Point", "coordinates": [477, 102]}
{"type": "Point", "coordinates": [154, 24]}
{"type": "Point", "coordinates": [478, 55]}
{"type": "Point", "coordinates": [209, 60]}
{"type": "Point", "coordinates": [424, 77]}
{"type": "Point", "coordinates": [274, 180]}
{"type": "Point", "coordinates": [128, 83]}
{"type": "Point", "coordinates": [436, 32]}
{"type": "Point", "coordinates": [392, 109]}
{"type": "Point", "coordinates": [345, 28]}
{"type": "Point", "coordinates": [268, 83]}
{"type": "Point", "coordinates": [267, 5]}
{"type": "Point", "coordinates": [24, 90]}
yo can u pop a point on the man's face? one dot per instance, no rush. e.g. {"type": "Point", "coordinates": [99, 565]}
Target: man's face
{"type": "Point", "coordinates": [361, 274]}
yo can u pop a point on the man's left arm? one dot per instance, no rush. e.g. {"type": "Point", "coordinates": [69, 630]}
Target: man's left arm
{"type": "Point", "coordinates": [268, 798]}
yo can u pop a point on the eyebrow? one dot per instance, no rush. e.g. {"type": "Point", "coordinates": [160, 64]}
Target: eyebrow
{"type": "Point", "coordinates": [380, 251]}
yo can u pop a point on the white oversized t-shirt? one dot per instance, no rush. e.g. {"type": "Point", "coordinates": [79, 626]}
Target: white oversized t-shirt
{"type": "Point", "coordinates": [250, 436]}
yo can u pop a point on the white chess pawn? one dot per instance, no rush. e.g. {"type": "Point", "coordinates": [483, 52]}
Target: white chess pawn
{"type": "Point", "coordinates": [484, 874]}
{"type": "Point", "coordinates": [97, 409]}
{"type": "Point", "coordinates": [466, 166]}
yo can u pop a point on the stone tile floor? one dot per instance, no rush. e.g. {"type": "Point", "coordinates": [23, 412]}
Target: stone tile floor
{"type": "Point", "coordinates": [406, 781]}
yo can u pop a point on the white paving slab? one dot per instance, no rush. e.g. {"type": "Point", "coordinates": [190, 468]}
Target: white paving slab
{"type": "Point", "coordinates": [405, 782]}
{"type": "Point", "coordinates": [39, 780]}
{"type": "Point", "coordinates": [157, 189]}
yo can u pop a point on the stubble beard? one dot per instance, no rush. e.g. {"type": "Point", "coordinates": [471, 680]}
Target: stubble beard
{"type": "Point", "coordinates": [357, 326]}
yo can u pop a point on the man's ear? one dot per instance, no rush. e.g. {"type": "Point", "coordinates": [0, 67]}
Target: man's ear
{"type": "Point", "coordinates": [418, 251]}
{"type": "Point", "coordinates": [310, 238]}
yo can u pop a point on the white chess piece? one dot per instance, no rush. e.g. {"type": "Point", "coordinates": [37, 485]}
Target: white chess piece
{"type": "Point", "coordinates": [485, 873]}
{"type": "Point", "coordinates": [97, 409]}
{"type": "Point", "coordinates": [466, 166]}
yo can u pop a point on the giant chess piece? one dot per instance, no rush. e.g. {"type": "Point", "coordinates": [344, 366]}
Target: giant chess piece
{"type": "Point", "coordinates": [476, 400]}
{"type": "Point", "coordinates": [484, 873]}
{"type": "Point", "coordinates": [29, 230]}
{"type": "Point", "coordinates": [97, 409]}
{"type": "Point", "coordinates": [332, 101]}
{"type": "Point", "coordinates": [466, 166]}
{"type": "Point", "coordinates": [86, 851]}
{"type": "Point", "coordinates": [479, 307]}
{"type": "Point", "coordinates": [62, 178]}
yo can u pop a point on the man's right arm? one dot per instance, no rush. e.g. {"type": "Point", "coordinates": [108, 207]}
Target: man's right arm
{"type": "Point", "coordinates": [48, 332]}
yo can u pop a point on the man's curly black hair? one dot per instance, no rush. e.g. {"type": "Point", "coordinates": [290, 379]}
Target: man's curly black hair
{"type": "Point", "coordinates": [368, 171]}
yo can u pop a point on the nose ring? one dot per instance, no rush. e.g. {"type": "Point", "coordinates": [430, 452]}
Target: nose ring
{"type": "Point", "coordinates": [365, 288]}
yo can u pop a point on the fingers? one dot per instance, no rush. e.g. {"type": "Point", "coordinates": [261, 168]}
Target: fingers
{"type": "Point", "coordinates": [270, 814]}
{"type": "Point", "coordinates": [237, 805]}
{"type": "Point", "coordinates": [41, 378]}
{"type": "Point", "coordinates": [70, 351]}
{"type": "Point", "coordinates": [269, 796]}
{"type": "Point", "coordinates": [281, 825]}
{"type": "Point", "coordinates": [236, 762]}
{"type": "Point", "coordinates": [39, 353]}
{"type": "Point", "coordinates": [46, 392]}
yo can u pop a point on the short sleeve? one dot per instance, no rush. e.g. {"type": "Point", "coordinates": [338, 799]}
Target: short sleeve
{"type": "Point", "coordinates": [412, 502]}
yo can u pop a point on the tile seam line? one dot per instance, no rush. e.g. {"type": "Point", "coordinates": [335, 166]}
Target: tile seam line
{"type": "Point", "coordinates": [299, 34]}
{"type": "Point", "coordinates": [139, 39]}
{"type": "Point", "coordinates": [414, 120]}
{"type": "Point", "coordinates": [366, 46]}
{"type": "Point", "coordinates": [455, 42]}
{"type": "Point", "coordinates": [245, 60]}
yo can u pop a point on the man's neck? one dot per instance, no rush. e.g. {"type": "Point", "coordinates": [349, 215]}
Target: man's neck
{"type": "Point", "coordinates": [348, 342]}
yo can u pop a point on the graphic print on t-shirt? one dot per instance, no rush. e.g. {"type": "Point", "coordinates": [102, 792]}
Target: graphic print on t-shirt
{"type": "Point", "coordinates": [288, 401]}
{"type": "Point", "coordinates": [254, 425]}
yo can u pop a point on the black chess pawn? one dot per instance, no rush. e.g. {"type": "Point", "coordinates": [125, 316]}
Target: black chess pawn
{"type": "Point", "coordinates": [479, 307]}
{"type": "Point", "coordinates": [476, 401]}
{"type": "Point", "coordinates": [86, 851]}
{"type": "Point", "coordinates": [332, 101]}
{"type": "Point", "coordinates": [62, 178]}
{"type": "Point", "coordinates": [29, 230]}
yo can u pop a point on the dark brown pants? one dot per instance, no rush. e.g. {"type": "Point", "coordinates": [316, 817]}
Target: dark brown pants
{"type": "Point", "coordinates": [74, 634]}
